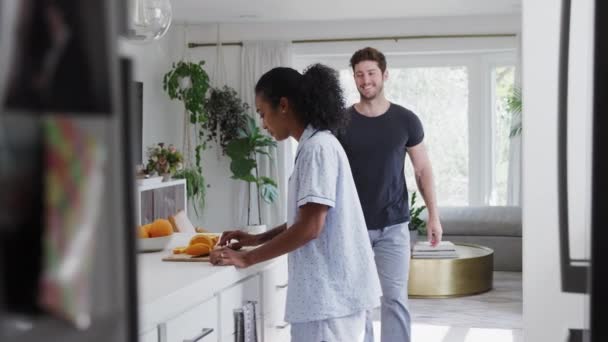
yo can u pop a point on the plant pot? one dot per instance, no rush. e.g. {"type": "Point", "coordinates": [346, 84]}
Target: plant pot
{"type": "Point", "coordinates": [255, 229]}
{"type": "Point", "coordinates": [185, 82]}
{"type": "Point", "coordinates": [166, 177]}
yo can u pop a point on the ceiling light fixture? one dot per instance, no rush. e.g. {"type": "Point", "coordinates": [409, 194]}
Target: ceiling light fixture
{"type": "Point", "coordinates": [149, 20]}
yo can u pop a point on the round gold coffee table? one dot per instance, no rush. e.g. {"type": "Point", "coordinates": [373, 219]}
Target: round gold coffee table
{"type": "Point", "coordinates": [470, 273]}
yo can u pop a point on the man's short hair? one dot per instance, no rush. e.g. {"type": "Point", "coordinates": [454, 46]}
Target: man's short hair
{"type": "Point", "coordinates": [368, 54]}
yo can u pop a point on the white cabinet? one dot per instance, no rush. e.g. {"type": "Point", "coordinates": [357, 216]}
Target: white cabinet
{"type": "Point", "coordinates": [200, 324]}
{"type": "Point", "coordinates": [234, 298]}
{"type": "Point", "coordinates": [276, 332]}
{"type": "Point", "coordinates": [150, 336]}
{"type": "Point", "coordinates": [274, 296]}
{"type": "Point", "coordinates": [192, 306]}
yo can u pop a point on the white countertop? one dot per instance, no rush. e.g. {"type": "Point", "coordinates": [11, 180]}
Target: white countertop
{"type": "Point", "coordinates": [167, 289]}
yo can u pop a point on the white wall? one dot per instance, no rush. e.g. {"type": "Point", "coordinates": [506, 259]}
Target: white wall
{"type": "Point", "coordinates": [163, 118]}
{"type": "Point", "coordinates": [547, 312]}
{"type": "Point", "coordinates": [163, 121]}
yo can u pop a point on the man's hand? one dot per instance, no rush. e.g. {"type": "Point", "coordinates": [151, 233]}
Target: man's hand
{"type": "Point", "coordinates": [226, 257]}
{"type": "Point", "coordinates": [243, 239]}
{"type": "Point", "coordinates": [434, 232]}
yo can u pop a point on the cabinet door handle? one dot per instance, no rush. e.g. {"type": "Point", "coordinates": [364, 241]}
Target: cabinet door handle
{"type": "Point", "coordinates": [205, 332]}
{"type": "Point", "coordinates": [282, 286]}
{"type": "Point", "coordinates": [282, 326]}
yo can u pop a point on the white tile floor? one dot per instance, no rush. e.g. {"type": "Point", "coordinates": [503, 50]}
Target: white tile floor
{"type": "Point", "coordinates": [494, 316]}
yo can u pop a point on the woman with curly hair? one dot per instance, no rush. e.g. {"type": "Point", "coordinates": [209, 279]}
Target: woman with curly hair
{"type": "Point", "coordinates": [332, 274]}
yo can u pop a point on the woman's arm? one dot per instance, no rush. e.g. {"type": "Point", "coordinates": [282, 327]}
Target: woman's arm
{"type": "Point", "coordinates": [309, 225]}
{"type": "Point", "coordinates": [269, 235]}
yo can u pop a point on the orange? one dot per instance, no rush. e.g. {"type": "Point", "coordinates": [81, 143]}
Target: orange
{"type": "Point", "coordinates": [160, 227]}
{"type": "Point", "coordinates": [142, 232]}
{"type": "Point", "coordinates": [205, 239]}
{"type": "Point", "coordinates": [198, 249]}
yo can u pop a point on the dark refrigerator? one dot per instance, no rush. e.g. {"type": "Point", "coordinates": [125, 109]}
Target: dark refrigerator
{"type": "Point", "coordinates": [67, 246]}
{"type": "Point", "coordinates": [584, 275]}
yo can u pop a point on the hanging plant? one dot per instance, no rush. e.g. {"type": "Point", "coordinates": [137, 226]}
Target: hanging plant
{"type": "Point", "coordinates": [188, 82]}
{"type": "Point", "coordinates": [226, 116]}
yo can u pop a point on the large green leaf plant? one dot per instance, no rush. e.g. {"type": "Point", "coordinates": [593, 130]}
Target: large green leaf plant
{"type": "Point", "coordinates": [243, 152]}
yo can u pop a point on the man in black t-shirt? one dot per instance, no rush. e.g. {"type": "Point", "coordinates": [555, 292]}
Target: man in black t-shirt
{"type": "Point", "coordinates": [376, 141]}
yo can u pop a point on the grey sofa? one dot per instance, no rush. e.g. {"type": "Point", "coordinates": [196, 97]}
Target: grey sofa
{"type": "Point", "coordinates": [496, 227]}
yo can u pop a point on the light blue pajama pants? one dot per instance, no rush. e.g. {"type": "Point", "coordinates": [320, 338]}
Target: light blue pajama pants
{"type": "Point", "coordinates": [391, 247]}
{"type": "Point", "coordinates": [342, 329]}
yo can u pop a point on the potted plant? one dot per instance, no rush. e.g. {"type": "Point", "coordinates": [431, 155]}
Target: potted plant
{"type": "Point", "coordinates": [243, 152]}
{"type": "Point", "coordinates": [226, 116]}
{"type": "Point", "coordinates": [189, 82]}
{"type": "Point", "coordinates": [417, 226]}
{"type": "Point", "coordinates": [195, 187]}
{"type": "Point", "coordinates": [165, 161]}
{"type": "Point", "coordinates": [514, 107]}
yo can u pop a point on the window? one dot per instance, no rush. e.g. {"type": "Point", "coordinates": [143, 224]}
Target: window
{"type": "Point", "coordinates": [503, 78]}
{"type": "Point", "coordinates": [439, 96]}
{"type": "Point", "coordinates": [460, 98]}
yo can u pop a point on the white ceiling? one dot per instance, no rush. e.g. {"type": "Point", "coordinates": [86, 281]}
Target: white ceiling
{"type": "Point", "coordinates": [201, 11]}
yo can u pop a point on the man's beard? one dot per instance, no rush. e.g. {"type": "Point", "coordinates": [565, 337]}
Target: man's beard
{"type": "Point", "coordinates": [375, 95]}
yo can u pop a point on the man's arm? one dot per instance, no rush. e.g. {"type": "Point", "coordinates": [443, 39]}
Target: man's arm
{"type": "Point", "coordinates": [424, 180]}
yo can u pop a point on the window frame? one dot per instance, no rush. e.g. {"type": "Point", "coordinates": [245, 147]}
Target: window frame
{"type": "Point", "coordinates": [479, 55]}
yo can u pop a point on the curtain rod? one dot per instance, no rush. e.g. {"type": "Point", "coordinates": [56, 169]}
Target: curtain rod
{"type": "Point", "coordinates": [395, 38]}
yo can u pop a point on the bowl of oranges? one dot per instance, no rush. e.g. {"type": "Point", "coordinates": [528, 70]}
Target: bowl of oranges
{"type": "Point", "coordinates": [155, 236]}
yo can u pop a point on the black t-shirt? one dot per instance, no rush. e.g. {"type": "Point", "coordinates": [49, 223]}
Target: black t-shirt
{"type": "Point", "coordinates": [376, 148]}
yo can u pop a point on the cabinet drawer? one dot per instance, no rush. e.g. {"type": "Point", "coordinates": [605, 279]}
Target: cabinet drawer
{"type": "Point", "coordinates": [189, 325]}
{"type": "Point", "coordinates": [276, 330]}
{"type": "Point", "coordinates": [150, 336]}
{"type": "Point", "coordinates": [234, 298]}
{"type": "Point", "coordinates": [275, 289]}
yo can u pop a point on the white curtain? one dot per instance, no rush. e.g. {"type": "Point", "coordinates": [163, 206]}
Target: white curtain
{"type": "Point", "coordinates": [514, 176]}
{"type": "Point", "coordinates": [258, 57]}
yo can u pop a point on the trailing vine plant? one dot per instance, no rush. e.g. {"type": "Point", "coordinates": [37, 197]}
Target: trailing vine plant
{"type": "Point", "coordinates": [188, 82]}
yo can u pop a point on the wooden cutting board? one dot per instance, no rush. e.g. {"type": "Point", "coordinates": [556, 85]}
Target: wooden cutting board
{"type": "Point", "coordinates": [189, 258]}
{"type": "Point", "coordinates": [186, 258]}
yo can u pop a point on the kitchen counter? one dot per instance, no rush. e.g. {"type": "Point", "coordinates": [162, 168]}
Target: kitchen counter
{"type": "Point", "coordinates": [167, 289]}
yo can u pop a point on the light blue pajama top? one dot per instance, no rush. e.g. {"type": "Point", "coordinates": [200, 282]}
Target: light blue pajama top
{"type": "Point", "coordinates": [334, 275]}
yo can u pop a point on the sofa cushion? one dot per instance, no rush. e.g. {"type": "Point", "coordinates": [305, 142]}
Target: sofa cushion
{"type": "Point", "coordinates": [480, 220]}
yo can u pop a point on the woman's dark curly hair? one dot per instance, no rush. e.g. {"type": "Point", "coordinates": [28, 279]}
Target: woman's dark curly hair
{"type": "Point", "coordinates": [316, 96]}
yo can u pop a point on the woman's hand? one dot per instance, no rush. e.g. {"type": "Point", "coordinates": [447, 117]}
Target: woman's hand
{"type": "Point", "coordinates": [226, 257]}
{"type": "Point", "coordinates": [243, 239]}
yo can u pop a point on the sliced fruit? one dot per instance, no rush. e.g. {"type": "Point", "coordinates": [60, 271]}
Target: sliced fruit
{"type": "Point", "coordinates": [179, 250]}
{"type": "Point", "coordinates": [200, 238]}
{"type": "Point", "coordinates": [215, 239]}
{"type": "Point", "coordinates": [198, 249]}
